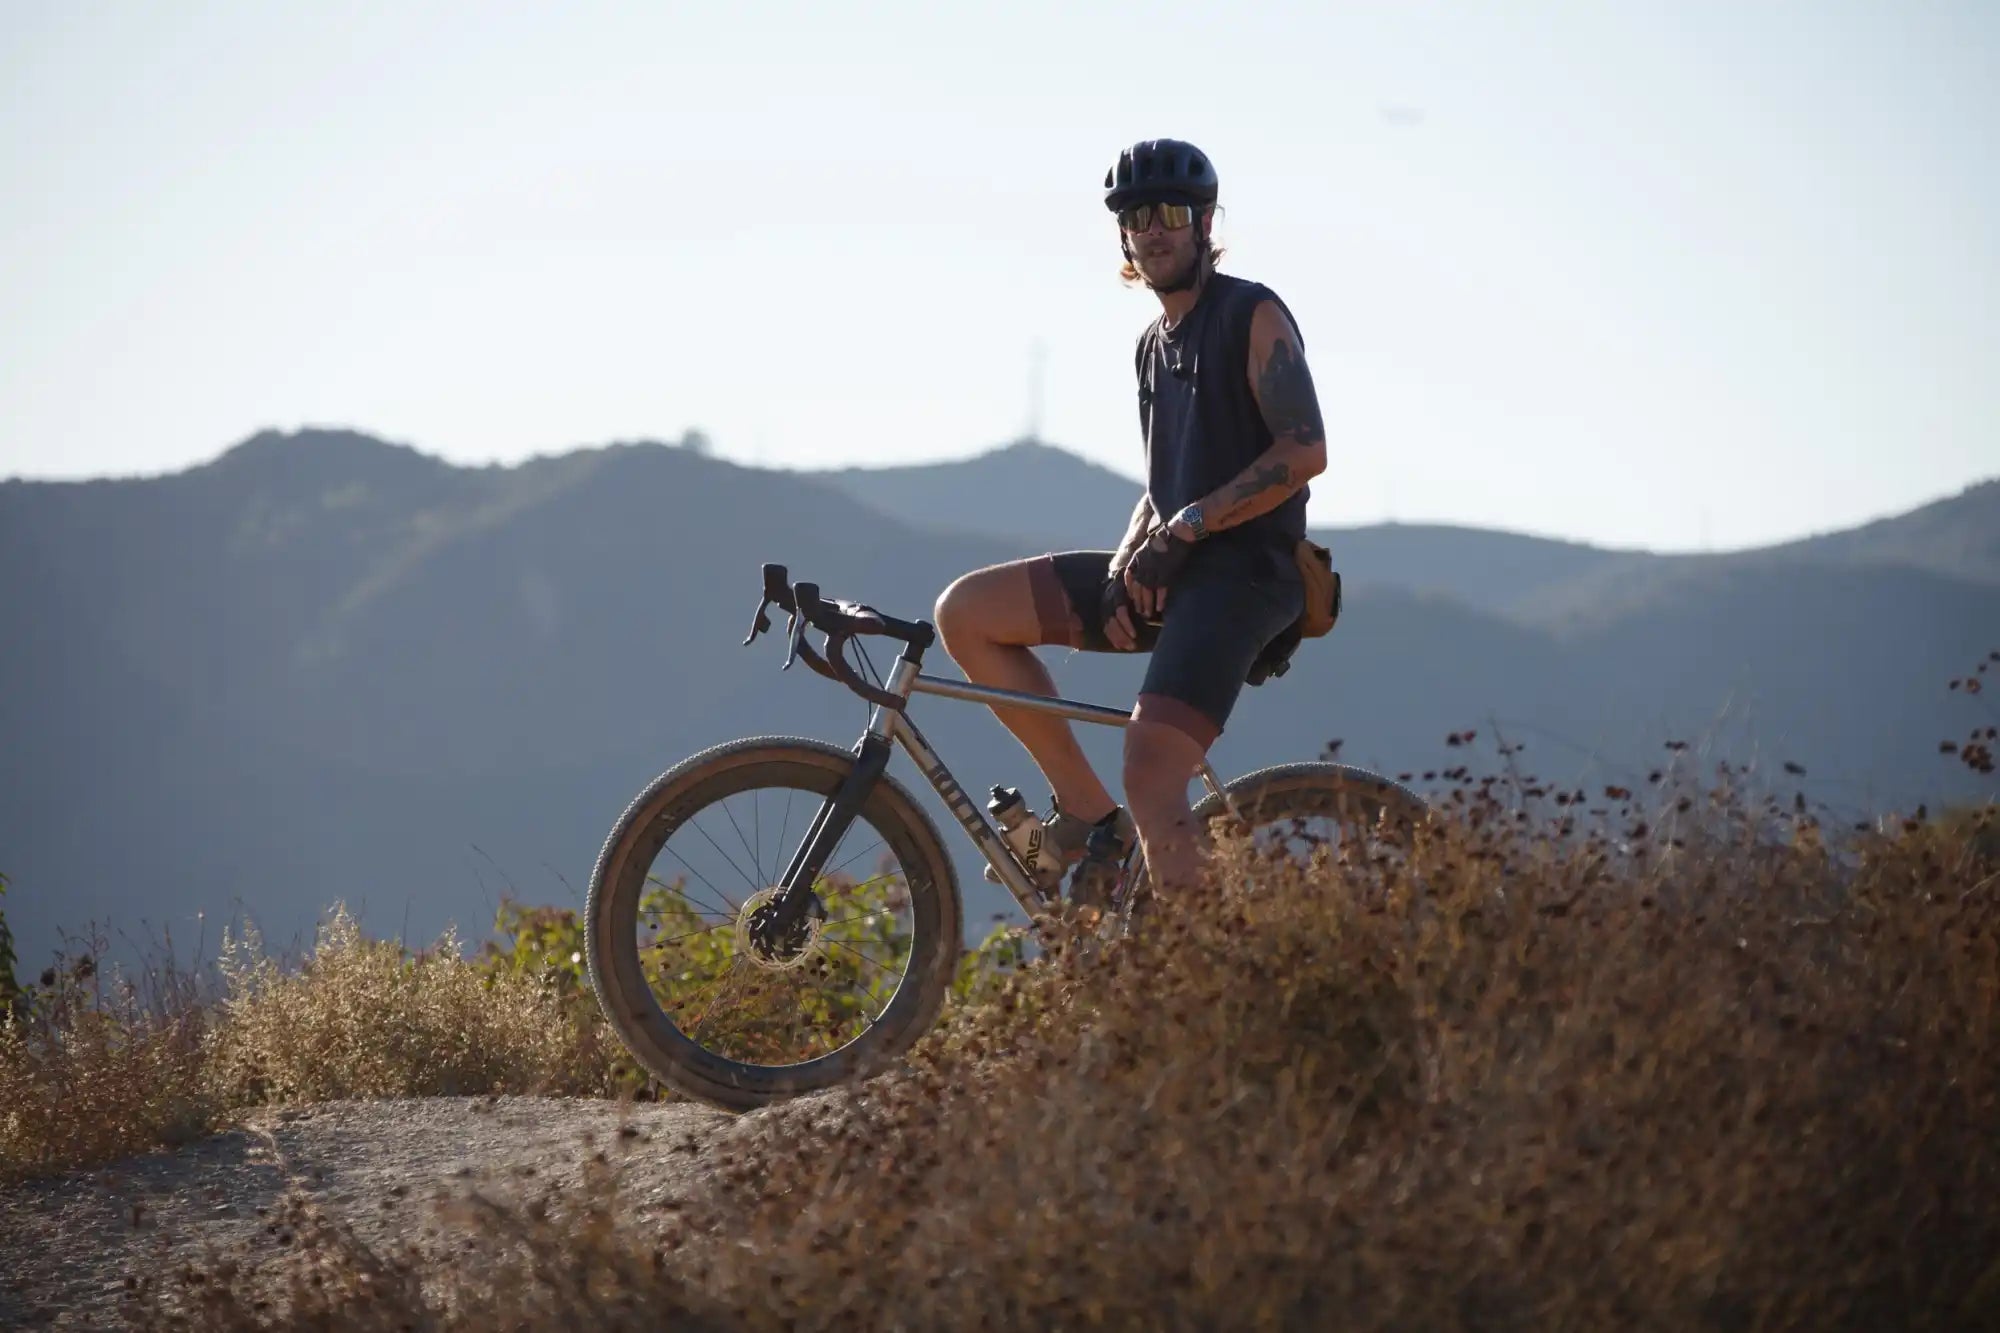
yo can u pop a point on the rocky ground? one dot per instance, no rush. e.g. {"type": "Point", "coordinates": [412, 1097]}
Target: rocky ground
{"type": "Point", "coordinates": [71, 1247]}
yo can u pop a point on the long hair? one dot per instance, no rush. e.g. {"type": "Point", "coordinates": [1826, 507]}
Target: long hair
{"type": "Point", "coordinates": [1128, 272]}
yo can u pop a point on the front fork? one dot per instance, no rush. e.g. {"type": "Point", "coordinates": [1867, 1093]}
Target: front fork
{"type": "Point", "coordinates": [778, 922]}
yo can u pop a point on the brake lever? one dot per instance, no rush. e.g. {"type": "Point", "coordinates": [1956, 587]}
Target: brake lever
{"type": "Point", "coordinates": [761, 624]}
{"type": "Point", "coordinates": [795, 632]}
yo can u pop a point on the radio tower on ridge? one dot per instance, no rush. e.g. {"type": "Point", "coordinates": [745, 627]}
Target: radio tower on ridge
{"type": "Point", "coordinates": [1037, 362]}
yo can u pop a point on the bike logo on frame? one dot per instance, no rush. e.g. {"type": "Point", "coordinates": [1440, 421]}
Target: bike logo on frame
{"type": "Point", "coordinates": [955, 799]}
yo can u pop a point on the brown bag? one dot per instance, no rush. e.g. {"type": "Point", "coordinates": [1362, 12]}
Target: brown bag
{"type": "Point", "coordinates": [1322, 608]}
{"type": "Point", "coordinates": [1322, 588]}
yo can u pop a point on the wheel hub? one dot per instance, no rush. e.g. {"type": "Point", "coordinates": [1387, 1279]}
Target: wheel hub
{"type": "Point", "coordinates": [793, 948]}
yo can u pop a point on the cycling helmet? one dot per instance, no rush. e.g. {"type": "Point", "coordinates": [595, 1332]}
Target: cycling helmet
{"type": "Point", "coordinates": [1157, 169]}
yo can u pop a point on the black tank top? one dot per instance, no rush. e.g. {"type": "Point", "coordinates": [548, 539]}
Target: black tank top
{"type": "Point", "coordinates": [1201, 424]}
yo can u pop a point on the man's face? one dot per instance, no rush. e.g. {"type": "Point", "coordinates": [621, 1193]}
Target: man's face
{"type": "Point", "coordinates": [1163, 253]}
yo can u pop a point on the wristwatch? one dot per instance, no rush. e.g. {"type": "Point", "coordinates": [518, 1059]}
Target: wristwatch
{"type": "Point", "coordinates": [1191, 515]}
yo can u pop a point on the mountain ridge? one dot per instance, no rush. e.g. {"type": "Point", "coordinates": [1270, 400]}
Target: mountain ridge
{"type": "Point", "coordinates": [376, 676]}
{"type": "Point", "coordinates": [1064, 501]}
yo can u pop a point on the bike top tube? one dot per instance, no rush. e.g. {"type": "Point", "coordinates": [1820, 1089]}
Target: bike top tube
{"type": "Point", "coordinates": [909, 682]}
{"type": "Point", "coordinates": [1073, 709]}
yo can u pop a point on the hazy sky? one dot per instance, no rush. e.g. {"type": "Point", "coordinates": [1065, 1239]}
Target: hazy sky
{"type": "Point", "coordinates": [1658, 275]}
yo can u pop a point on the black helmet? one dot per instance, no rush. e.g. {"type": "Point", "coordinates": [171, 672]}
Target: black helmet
{"type": "Point", "coordinates": [1155, 169]}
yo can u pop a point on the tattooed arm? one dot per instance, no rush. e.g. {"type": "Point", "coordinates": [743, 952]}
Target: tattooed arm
{"type": "Point", "coordinates": [1283, 388]}
{"type": "Point", "coordinates": [1118, 626]}
{"type": "Point", "coordinates": [1136, 533]}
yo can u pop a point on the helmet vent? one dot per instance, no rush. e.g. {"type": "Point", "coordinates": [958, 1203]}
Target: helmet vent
{"type": "Point", "coordinates": [1154, 167]}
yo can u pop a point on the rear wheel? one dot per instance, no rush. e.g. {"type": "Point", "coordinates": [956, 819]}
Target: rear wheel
{"type": "Point", "coordinates": [681, 979]}
{"type": "Point", "coordinates": [1301, 812]}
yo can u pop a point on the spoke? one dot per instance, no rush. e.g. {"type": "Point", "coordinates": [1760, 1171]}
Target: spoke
{"type": "Point", "coordinates": [879, 842]}
{"type": "Point", "coordinates": [757, 826]}
{"type": "Point", "coordinates": [705, 930]}
{"type": "Point", "coordinates": [686, 897]}
{"type": "Point", "coordinates": [831, 852]}
{"type": "Point", "coordinates": [865, 958]}
{"type": "Point", "coordinates": [785, 826]}
{"type": "Point", "coordinates": [732, 908]}
{"type": "Point", "coordinates": [858, 894]}
{"type": "Point", "coordinates": [709, 991]}
{"type": "Point", "coordinates": [740, 838]}
{"type": "Point", "coordinates": [754, 886]}
{"type": "Point", "coordinates": [871, 1019]}
{"type": "Point", "coordinates": [848, 920]}
{"type": "Point", "coordinates": [735, 966]}
{"type": "Point", "coordinates": [820, 1044]}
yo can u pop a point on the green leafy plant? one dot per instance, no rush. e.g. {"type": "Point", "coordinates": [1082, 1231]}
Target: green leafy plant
{"type": "Point", "coordinates": [696, 968]}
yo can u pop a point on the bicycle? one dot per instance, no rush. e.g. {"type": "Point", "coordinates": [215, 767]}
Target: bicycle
{"type": "Point", "coordinates": [811, 919]}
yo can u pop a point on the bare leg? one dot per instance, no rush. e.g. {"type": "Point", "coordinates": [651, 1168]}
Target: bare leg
{"type": "Point", "coordinates": [989, 620]}
{"type": "Point", "coordinates": [1159, 761]}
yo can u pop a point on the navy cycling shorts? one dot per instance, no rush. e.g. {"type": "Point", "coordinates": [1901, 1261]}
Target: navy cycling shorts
{"type": "Point", "coordinates": [1223, 608]}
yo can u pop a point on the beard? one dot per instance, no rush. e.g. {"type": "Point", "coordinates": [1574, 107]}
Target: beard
{"type": "Point", "coordinates": [1177, 279]}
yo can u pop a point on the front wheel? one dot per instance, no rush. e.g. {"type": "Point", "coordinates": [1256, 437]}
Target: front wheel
{"type": "Point", "coordinates": [706, 1007]}
{"type": "Point", "coordinates": [1296, 810]}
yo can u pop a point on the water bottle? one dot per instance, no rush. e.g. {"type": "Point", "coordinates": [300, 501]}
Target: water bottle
{"type": "Point", "coordinates": [1025, 833]}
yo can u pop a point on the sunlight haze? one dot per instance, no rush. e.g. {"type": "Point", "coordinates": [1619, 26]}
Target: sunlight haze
{"type": "Point", "coordinates": [1645, 275]}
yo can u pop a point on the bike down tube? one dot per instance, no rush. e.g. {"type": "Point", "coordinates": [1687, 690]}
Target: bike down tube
{"type": "Point", "coordinates": [967, 813]}
{"type": "Point", "coordinates": [895, 724]}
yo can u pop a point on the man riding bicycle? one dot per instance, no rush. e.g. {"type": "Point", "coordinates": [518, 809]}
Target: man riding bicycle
{"type": "Point", "coordinates": [1205, 578]}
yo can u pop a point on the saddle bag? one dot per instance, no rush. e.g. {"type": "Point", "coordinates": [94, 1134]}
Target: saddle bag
{"type": "Point", "coordinates": [1322, 609]}
{"type": "Point", "coordinates": [1322, 582]}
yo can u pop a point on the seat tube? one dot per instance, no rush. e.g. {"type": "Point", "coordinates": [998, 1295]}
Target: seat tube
{"type": "Point", "coordinates": [1214, 785]}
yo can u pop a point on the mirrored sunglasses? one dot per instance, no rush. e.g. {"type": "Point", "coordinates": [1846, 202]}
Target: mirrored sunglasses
{"type": "Point", "coordinates": [1140, 217]}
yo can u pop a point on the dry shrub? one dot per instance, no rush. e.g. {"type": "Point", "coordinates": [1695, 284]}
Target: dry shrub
{"type": "Point", "coordinates": [97, 1067]}
{"type": "Point", "coordinates": [1515, 1082]}
{"type": "Point", "coordinates": [1527, 1077]}
{"type": "Point", "coordinates": [363, 1018]}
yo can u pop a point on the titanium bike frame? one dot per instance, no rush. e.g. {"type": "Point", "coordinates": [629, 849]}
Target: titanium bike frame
{"type": "Point", "coordinates": [890, 725]}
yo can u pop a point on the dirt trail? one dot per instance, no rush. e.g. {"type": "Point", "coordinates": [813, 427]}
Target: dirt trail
{"type": "Point", "coordinates": [67, 1245]}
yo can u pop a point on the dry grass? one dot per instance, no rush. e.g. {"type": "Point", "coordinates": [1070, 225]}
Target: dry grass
{"type": "Point", "coordinates": [1714, 1072]}
{"type": "Point", "coordinates": [104, 1066]}
{"type": "Point", "coordinates": [100, 1066]}
{"type": "Point", "coordinates": [363, 1019]}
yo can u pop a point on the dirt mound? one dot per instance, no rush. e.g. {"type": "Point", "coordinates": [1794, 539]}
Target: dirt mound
{"type": "Point", "coordinates": [69, 1245]}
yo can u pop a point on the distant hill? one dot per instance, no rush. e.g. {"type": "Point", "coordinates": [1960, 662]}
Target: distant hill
{"type": "Point", "coordinates": [1500, 572]}
{"type": "Point", "coordinates": [1956, 538]}
{"type": "Point", "coordinates": [1026, 491]}
{"type": "Point", "coordinates": [1959, 536]}
{"type": "Point", "coordinates": [1054, 499]}
{"type": "Point", "coordinates": [327, 667]}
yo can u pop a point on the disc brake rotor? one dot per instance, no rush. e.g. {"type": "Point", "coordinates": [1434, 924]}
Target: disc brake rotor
{"type": "Point", "coordinates": [793, 955]}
